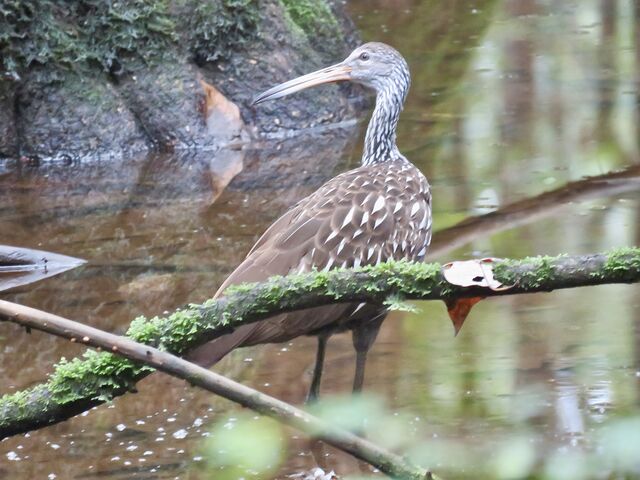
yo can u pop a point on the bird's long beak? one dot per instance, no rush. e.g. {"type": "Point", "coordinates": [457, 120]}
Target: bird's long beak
{"type": "Point", "coordinates": [334, 73]}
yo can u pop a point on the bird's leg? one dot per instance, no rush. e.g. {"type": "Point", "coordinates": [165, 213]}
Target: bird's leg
{"type": "Point", "coordinates": [314, 389]}
{"type": "Point", "coordinates": [363, 336]}
{"type": "Point", "coordinates": [361, 362]}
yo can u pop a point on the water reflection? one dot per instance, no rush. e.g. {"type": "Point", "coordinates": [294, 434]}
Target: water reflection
{"type": "Point", "coordinates": [531, 209]}
{"type": "Point", "coordinates": [510, 100]}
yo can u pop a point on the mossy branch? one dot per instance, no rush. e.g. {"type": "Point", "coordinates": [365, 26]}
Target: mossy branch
{"type": "Point", "coordinates": [384, 460]}
{"type": "Point", "coordinates": [82, 383]}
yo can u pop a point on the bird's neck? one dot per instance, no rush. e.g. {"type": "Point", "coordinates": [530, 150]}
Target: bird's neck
{"type": "Point", "coordinates": [380, 140]}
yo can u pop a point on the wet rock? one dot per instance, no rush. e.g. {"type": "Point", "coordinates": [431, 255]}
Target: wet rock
{"type": "Point", "coordinates": [73, 118]}
{"type": "Point", "coordinates": [284, 51]}
{"type": "Point", "coordinates": [8, 132]}
{"type": "Point", "coordinates": [165, 100]}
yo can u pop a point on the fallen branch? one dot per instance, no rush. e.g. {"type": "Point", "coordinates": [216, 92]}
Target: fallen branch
{"type": "Point", "coordinates": [21, 266]}
{"type": "Point", "coordinates": [387, 462]}
{"type": "Point", "coordinates": [82, 383]}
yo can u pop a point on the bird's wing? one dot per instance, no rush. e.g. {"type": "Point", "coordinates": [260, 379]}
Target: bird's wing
{"type": "Point", "coordinates": [362, 217]}
{"type": "Point", "coordinates": [249, 270]}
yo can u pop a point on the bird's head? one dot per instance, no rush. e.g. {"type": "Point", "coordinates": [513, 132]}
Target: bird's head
{"type": "Point", "coordinates": [374, 65]}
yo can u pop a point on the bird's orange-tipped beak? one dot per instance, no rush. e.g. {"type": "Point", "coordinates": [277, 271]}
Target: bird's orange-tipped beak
{"type": "Point", "coordinates": [334, 73]}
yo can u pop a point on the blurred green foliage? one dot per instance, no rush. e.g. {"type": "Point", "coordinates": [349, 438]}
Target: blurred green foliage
{"type": "Point", "coordinates": [245, 446]}
{"type": "Point", "coordinates": [348, 412]}
{"type": "Point", "coordinates": [251, 445]}
{"type": "Point", "coordinates": [312, 16]}
{"type": "Point", "coordinates": [366, 415]}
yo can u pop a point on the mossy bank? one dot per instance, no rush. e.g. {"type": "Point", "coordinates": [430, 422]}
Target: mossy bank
{"type": "Point", "coordinates": [90, 77]}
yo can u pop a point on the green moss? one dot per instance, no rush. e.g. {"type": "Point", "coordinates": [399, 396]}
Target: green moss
{"type": "Point", "coordinates": [95, 376]}
{"type": "Point", "coordinates": [113, 36]}
{"type": "Point", "coordinates": [622, 260]}
{"type": "Point", "coordinates": [143, 330]}
{"type": "Point", "coordinates": [314, 18]}
{"type": "Point", "coordinates": [174, 332]}
{"type": "Point", "coordinates": [117, 37]}
{"type": "Point", "coordinates": [19, 400]}
{"type": "Point", "coordinates": [543, 271]}
{"type": "Point", "coordinates": [101, 375]}
{"type": "Point", "coordinates": [413, 279]}
{"type": "Point", "coordinates": [241, 289]}
{"type": "Point", "coordinates": [540, 270]}
{"type": "Point", "coordinates": [397, 303]}
{"type": "Point", "coordinates": [213, 28]}
{"type": "Point", "coordinates": [180, 329]}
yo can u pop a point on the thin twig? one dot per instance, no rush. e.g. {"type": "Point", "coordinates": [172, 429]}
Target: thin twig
{"type": "Point", "coordinates": [387, 462]}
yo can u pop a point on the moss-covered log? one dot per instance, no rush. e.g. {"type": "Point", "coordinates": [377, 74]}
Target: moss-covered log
{"type": "Point", "coordinates": [82, 383]}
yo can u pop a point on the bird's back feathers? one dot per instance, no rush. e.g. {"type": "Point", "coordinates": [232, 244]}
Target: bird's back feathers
{"type": "Point", "coordinates": [362, 217]}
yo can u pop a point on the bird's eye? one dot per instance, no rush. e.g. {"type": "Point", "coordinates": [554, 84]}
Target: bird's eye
{"type": "Point", "coordinates": [364, 56]}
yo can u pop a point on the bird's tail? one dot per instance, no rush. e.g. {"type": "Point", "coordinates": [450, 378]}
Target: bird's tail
{"type": "Point", "coordinates": [212, 352]}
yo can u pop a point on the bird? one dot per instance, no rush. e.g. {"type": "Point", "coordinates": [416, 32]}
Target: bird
{"type": "Point", "coordinates": [377, 212]}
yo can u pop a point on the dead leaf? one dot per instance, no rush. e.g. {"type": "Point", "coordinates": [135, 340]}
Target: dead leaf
{"type": "Point", "coordinates": [223, 168]}
{"type": "Point", "coordinates": [469, 273]}
{"type": "Point", "coordinates": [459, 309]}
{"type": "Point", "coordinates": [473, 273]}
{"type": "Point", "coordinates": [221, 115]}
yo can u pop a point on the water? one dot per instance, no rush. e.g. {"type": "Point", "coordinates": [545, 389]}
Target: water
{"type": "Point", "coordinates": [509, 100]}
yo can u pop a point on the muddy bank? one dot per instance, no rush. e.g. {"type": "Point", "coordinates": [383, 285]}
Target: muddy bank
{"type": "Point", "coordinates": [112, 82]}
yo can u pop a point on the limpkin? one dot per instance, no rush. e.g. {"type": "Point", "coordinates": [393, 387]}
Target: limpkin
{"type": "Point", "coordinates": [373, 213]}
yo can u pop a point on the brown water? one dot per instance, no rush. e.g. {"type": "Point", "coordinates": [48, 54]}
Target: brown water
{"type": "Point", "coordinates": [510, 99]}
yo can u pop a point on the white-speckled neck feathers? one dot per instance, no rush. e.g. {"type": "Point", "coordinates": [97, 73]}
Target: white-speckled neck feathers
{"type": "Point", "coordinates": [381, 68]}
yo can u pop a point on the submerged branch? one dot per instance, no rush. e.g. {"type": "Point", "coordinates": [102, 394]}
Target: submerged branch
{"type": "Point", "coordinates": [82, 383]}
{"type": "Point", "coordinates": [528, 210]}
{"type": "Point", "coordinates": [387, 462]}
{"type": "Point", "coordinates": [21, 266]}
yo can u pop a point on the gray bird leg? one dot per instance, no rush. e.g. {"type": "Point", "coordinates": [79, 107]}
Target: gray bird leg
{"type": "Point", "coordinates": [314, 389]}
{"type": "Point", "coordinates": [363, 336]}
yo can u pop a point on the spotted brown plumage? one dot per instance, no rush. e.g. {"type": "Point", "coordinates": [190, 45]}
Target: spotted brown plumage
{"type": "Point", "coordinates": [371, 214]}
